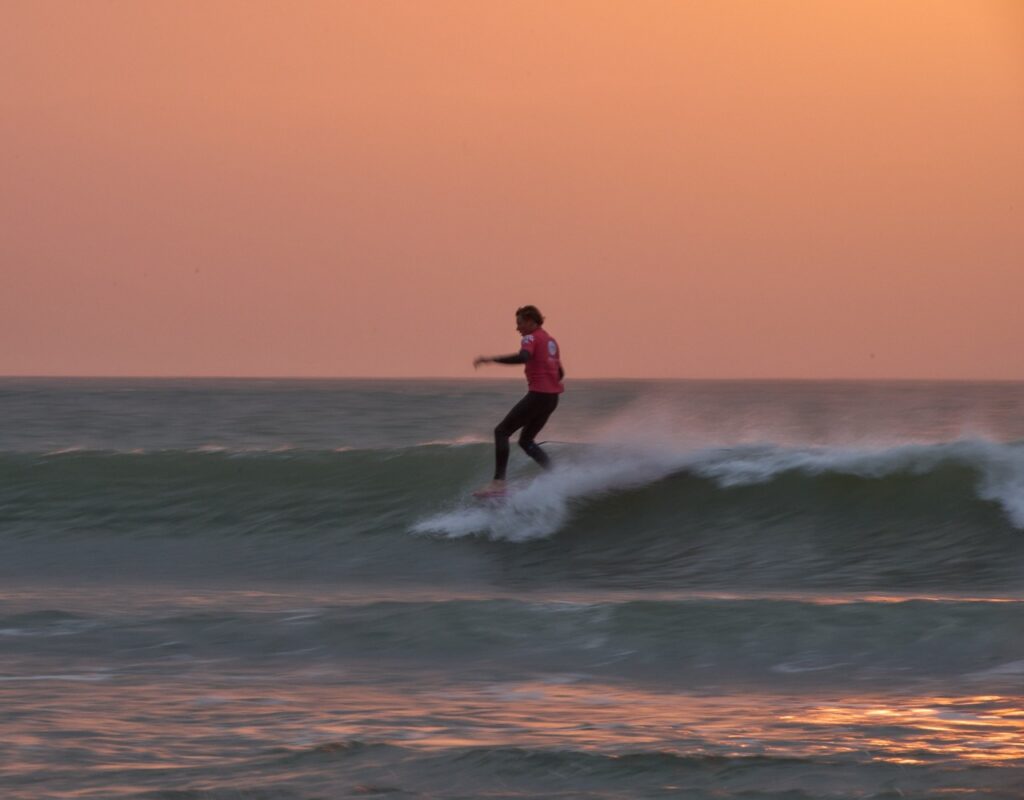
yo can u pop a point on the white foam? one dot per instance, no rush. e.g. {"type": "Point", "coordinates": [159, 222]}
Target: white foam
{"type": "Point", "coordinates": [806, 665]}
{"type": "Point", "coordinates": [542, 506]}
{"type": "Point", "coordinates": [1010, 669]}
{"type": "Point", "coordinates": [458, 441]}
{"type": "Point", "coordinates": [1000, 466]}
{"type": "Point", "coordinates": [84, 678]}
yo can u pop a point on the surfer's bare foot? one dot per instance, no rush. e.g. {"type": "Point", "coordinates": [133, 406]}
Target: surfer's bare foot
{"type": "Point", "coordinates": [494, 487]}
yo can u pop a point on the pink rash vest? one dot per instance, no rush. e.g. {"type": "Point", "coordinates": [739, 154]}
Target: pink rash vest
{"type": "Point", "coordinates": [543, 366]}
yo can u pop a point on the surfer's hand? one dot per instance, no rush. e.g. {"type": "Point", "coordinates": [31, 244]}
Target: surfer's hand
{"type": "Point", "coordinates": [480, 360]}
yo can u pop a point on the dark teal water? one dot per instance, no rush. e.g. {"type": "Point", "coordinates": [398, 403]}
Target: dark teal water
{"type": "Point", "coordinates": [226, 589]}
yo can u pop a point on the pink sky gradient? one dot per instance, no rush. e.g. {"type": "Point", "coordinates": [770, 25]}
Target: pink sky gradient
{"type": "Point", "coordinates": [727, 188]}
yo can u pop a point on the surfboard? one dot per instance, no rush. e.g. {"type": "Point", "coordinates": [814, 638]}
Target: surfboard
{"type": "Point", "coordinates": [493, 495]}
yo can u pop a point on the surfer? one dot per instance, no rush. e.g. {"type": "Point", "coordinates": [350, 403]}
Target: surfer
{"type": "Point", "coordinates": [544, 374]}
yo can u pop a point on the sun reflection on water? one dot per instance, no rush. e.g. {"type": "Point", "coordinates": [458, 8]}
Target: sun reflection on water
{"type": "Point", "coordinates": [983, 728]}
{"type": "Point", "coordinates": [131, 730]}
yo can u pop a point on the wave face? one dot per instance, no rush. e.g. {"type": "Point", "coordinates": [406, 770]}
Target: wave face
{"type": "Point", "coordinates": [904, 478]}
{"type": "Point", "coordinates": [904, 516]}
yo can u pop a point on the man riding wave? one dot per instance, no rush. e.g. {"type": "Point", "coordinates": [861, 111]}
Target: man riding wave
{"type": "Point", "coordinates": [544, 375]}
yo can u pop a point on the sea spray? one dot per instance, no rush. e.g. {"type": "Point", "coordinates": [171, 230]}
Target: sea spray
{"type": "Point", "coordinates": [541, 506]}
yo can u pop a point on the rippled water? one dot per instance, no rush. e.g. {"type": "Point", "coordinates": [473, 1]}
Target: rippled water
{"type": "Point", "coordinates": [259, 589]}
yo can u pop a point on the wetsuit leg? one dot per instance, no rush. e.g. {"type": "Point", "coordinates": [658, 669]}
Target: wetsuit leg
{"type": "Point", "coordinates": [514, 420]}
{"type": "Point", "coordinates": [544, 406]}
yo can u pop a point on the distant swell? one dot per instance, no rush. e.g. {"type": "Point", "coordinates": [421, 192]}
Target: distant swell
{"type": "Point", "coordinates": [765, 639]}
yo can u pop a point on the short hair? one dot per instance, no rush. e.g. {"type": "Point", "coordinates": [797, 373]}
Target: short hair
{"type": "Point", "coordinates": [530, 312]}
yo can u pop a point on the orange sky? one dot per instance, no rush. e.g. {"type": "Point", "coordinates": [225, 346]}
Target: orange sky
{"type": "Point", "coordinates": [715, 188]}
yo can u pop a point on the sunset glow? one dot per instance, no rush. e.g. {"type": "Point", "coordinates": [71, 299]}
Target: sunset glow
{"type": "Point", "coordinates": [726, 189]}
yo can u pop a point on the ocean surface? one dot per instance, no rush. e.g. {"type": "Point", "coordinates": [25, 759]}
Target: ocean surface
{"type": "Point", "coordinates": [227, 589]}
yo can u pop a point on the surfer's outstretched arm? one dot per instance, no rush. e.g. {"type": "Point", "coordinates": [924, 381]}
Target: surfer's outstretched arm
{"type": "Point", "coordinates": [516, 358]}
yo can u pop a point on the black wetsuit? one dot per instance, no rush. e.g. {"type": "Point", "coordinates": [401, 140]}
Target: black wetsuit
{"type": "Point", "coordinates": [530, 414]}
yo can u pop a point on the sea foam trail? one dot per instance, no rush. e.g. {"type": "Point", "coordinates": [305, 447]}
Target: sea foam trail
{"type": "Point", "coordinates": [999, 467]}
{"type": "Point", "coordinates": [541, 507]}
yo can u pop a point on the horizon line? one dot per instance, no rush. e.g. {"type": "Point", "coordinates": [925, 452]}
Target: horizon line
{"type": "Point", "coordinates": [734, 379]}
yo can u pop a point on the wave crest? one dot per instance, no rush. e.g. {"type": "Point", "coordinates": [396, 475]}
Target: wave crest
{"type": "Point", "coordinates": [990, 471]}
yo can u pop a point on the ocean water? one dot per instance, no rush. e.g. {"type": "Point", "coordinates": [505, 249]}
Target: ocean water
{"type": "Point", "coordinates": [281, 589]}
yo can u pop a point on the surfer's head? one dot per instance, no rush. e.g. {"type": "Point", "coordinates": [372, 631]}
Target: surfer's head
{"type": "Point", "coordinates": [528, 319]}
